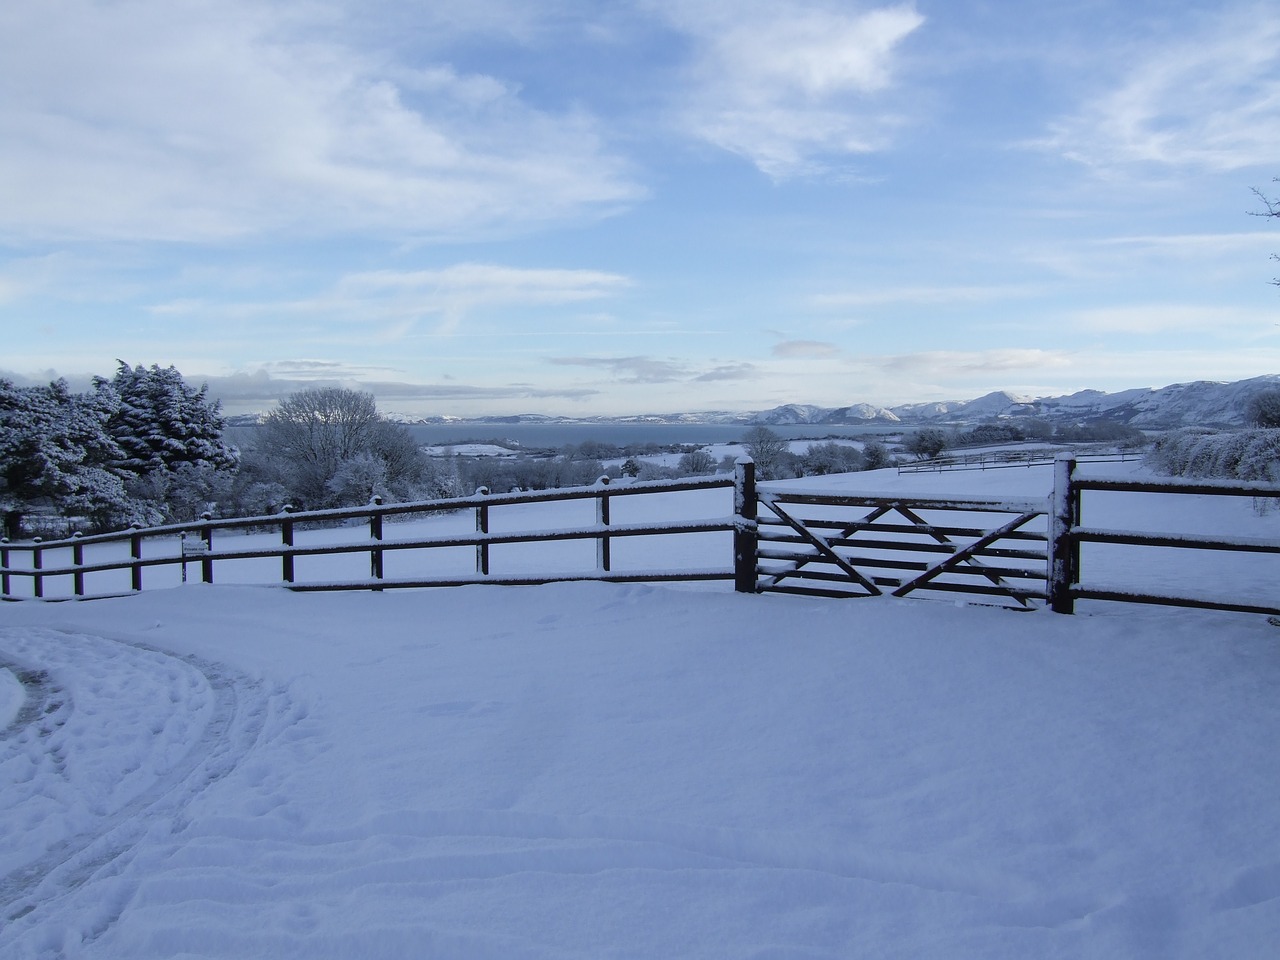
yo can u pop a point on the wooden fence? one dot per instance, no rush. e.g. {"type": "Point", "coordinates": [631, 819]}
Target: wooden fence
{"type": "Point", "coordinates": [1069, 532]}
{"type": "Point", "coordinates": [851, 545]}
{"type": "Point", "coordinates": [1005, 459]}
{"type": "Point", "coordinates": [29, 569]}
{"type": "Point", "coordinates": [1020, 554]}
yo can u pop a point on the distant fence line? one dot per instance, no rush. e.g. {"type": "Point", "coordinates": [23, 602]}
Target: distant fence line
{"type": "Point", "coordinates": [998, 459]}
{"type": "Point", "coordinates": [1017, 553]}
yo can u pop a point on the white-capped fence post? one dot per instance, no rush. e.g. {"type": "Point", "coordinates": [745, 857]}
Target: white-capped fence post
{"type": "Point", "coordinates": [286, 541]}
{"type": "Point", "coordinates": [135, 553]}
{"type": "Point", "coordinates": [1064, 550]}
{"type": "Point", "coordinates": [206, 534]}
{"type": "Point", "coordinates": [602, 518]}
{"type": "Point", "coordinates": [37, 564]}
{"type": "Point", "coordinates": [482, 526]}
{"type": "Point", "coordinates": [745, 537]}
{"type": "Point", "coordinates": [77, 558]}
{"type": "Point", "coordinates": [375, 535]}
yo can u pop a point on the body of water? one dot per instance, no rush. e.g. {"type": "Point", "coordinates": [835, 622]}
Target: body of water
{"type": "Point", "coordinates": [541, 436]}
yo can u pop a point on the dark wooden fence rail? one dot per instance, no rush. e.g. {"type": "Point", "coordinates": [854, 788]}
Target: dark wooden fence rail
{"type": "Point", "coordinates": [1018, 554]}
{"type": "Point", "coordinates": [196, 544]}
{"type": "Point", "coordinates": [1068, 532]}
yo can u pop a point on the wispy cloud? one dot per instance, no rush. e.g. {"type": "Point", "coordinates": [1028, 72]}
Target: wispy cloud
{"type": "Point", "coordinates": [729, 371]}
{"type": "Point", "coordinates": [946, 364]}
{"type": "Point", "coordinates": [448, 295]}
{"type": "Point", "coordinates": [631, 369]}
{"type": "Point", "coordinates": [1208, 99]}
{"type": "Point", "coordinates": [642, 369]}
{"type": "Point", "coordinates": [809, 349]}
{"type": "Point", "coordinates": [192, 121]}
{"type": "Point", "coordinates": [1172, 318]}
{"type": "Point", "coordinates": [259, 390]}
{"type": "Point", "coordinates": [923, 295]}
{"type": "Point", "coordinates": [788, 85]}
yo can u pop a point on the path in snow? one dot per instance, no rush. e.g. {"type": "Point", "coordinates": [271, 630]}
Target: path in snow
{"type": "Point", "coordinates": [111, 742]}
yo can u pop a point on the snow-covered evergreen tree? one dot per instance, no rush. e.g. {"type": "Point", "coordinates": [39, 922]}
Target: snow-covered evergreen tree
{"type": "Point", "coordinates": [57, 455]}
{"type": "Point", "coordinates": [160, 422]}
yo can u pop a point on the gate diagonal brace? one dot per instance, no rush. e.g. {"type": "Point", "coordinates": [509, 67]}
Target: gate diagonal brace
{"type": "Point", "coordinates": [823, 549]}
{"type": "Point", "coordinates": [965, 556]}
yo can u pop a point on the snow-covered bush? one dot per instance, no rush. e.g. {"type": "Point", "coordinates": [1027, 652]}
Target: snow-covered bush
{"type": "Point", "coordinates": [1238, 455]}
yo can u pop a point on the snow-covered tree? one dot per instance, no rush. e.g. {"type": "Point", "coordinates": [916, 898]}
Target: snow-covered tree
{"type": "Point", "coordinates": [696, 463]}
{"type": "Point", "coordinates": [767, 449]}
{"type": "Point", "coordinates": [875, 455]}
{"type": "Point", "coordinates": [1263, 409]}
{"type": "Point", "coordinates": [57, 455]}
{"type": "Point", "coordinates": [317, 434]}
{"type": "Point", "coordinates": [825, 458]}
{"type": "Point", "coordinates": [160, 421]}
{"type": "Point", "coordinates": [359, 479]}
{"type": "Point", "coordinates": [926, 443]}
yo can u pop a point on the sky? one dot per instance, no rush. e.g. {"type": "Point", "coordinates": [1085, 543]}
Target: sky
{"type": "Point", "coordinates": [481, 207]}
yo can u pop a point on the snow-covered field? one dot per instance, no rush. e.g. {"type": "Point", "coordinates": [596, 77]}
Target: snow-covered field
{"type": "Point", "coordinates": [595, 770]}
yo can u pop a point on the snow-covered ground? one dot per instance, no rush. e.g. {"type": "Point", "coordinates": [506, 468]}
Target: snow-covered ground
{"type": "Point", "coordinates": [595, 770]}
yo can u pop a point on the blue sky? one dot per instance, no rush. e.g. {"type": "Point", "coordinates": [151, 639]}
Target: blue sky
{"type": "Point", "coordinates": [474, 207]}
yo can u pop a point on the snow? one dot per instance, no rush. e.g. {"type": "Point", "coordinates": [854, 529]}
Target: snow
{"type": "Point", "coordinates": [12, 697]}
{"type": "Point", "coordinates": [469, 450]}
{"type": "Point", "coordinates": [602, 770]}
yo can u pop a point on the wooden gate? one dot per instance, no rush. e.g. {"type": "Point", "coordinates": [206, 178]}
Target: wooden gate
{"type": "Point", "coordinates": [839, 545]}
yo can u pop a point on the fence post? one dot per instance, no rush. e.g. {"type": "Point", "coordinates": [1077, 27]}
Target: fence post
{"type": "Point", "coordinates": [482, 526]}
{"type": "Point", "coordinates": [1064, 551]}
{"type": "Point", "coordinates": [37, 563]}
{"type": "Point", "coordinates": [745, 537]}
{"type": "Point", "coordinates": [375, 533]}
{"type": "Point", "coordinates": [77, 558]}
{"type": "Point", "coordinates": [602, 518]}
{"type": "Point", "coordinates": [206, 534]}
{"type": "Point", "coordinates": [286, 539]}
{"type": "Point", "coordinates": [4, 562]}
{"type": "Point", "coordinates": [135, 552]}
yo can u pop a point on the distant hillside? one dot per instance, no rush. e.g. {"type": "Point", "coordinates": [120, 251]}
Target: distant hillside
{"type": "Point", "coordinates": [1201, 403]}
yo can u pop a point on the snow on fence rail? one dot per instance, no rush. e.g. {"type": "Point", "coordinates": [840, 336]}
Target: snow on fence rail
{"type": "Point", "coordinates": [1068, 533]}
{"type": "Point", "coordinates": [854, 545]}
{"type": "Point", "coordinates": [778, 538]}
{"type": "Point", "coordinates": [240, 547]}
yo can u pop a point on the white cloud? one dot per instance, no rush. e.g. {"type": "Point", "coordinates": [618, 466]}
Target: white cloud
{"type": "Point", "coordinates": [810, 349]}
{"type": "Point", "coordinates": [190, 120]}
{"type": "Point", "coordinates": [963, 364]}
{"type": "Point", "coordinates": [644, 369]}
{"type": "Point", "coordinates": [1209, 100]}
{"type": "Point", "coordinates": [786, 84]}
{"type": "Point", "coordinates": [1172, 318]}
{"type": "Point", "coordinates": [455, 291]}
{"type": "Point", "coordinates": [397, 299]}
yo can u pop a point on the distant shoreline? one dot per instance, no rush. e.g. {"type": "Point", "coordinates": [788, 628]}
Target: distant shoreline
{"type": "Point", "coordinates": [544, 436]}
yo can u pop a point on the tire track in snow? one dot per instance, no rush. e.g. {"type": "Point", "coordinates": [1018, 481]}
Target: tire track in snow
{"type": "Point", "coordinates": [50, 732]}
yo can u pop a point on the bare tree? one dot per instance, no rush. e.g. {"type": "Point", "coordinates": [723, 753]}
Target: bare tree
{"type": "Point", "coordinates": [329, 446]}
{"type": "Point", "coordinates": [767, 449]}
{"type": "Point", "coordinates": [1272, 210]}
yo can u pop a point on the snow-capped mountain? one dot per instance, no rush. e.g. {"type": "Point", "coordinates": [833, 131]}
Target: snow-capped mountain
{"type": "Point", "coordinates": [1201, 403]}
